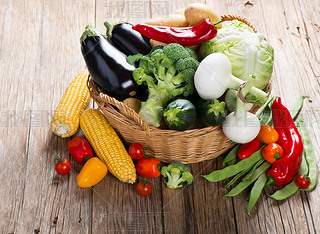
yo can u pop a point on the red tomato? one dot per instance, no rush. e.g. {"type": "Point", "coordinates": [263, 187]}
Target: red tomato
{"type": "Point", "coordinates": [303, 181]}
{"type": "Point", "coordinates": [136, 151]}
{"type": "Point", "coordinates": [148, 168]}
{"type": "Point", "coordinates": [80, 150]}
{"type": "Point", "coordinates": [144, 188]}
{"type": "Point", "coordinates": [63, 166]}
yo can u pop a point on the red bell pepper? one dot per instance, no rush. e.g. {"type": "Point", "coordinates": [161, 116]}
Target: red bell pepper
{"type": "Point", "coordinates": [80, 150]}
{"type": "Point", "coordinates": [284, 170]}
{"type": "Point", "coordinates": [148, 168]}
{"type": "Point", "coordinates": [186, 36]}
{"type": "Point", "coordinates": [249, 148]}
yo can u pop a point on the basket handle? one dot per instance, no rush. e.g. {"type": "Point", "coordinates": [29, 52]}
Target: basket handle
{"type": "Point", "coordinates": [240, 18]}
{"type": "Point", "coordinates": [104, 98]}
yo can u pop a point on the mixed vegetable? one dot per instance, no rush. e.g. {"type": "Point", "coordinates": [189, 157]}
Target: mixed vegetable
{"type": "Point", "coordinates": [279, 156]}
{"type": "Point", "coordinates": [177, 84]}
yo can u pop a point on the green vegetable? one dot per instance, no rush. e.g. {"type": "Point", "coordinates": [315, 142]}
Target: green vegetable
{"type": "Point", "coordinates": [231, 100]}
{"type": "Point", "coordinates": [309, 153]}
{"type": "Point", "coordinates": [167, 72]}
{"type": "Point", "coordinates": [176, 173]}
{"type": "Point", "coordinates": [212, 112]}
{"type": "Point", "coordinates": [180, 115]}
{"type": "Point", "coordinates": [296, 107]}
{"type": "Point", "coordinates": [238, 176]}
{"type": "Point", "coordinates": [232, 170]}
{"type": "Point", "coordinates": [245, 183]}
{"type": "Point", "coordinates": [256, 191]}
{"type": "Point", "coordinates": [232, 155]}
{"type": "Point", "coordinates": [248, 52]}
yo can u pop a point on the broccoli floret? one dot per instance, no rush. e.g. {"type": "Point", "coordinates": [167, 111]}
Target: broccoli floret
{"type": "Point", "coordinates": [176, 173]}
{"type": "Point", "coordinates": [167, 72]}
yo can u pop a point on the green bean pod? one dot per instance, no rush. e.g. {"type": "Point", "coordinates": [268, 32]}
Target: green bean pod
{"type": "Point", "coordinates": [232, 170]}
{"type": "Point", "coordinates": [244, 184]}
{"type": "Point", "coordinates": [265, 113]}
{"type": "Point", "coordinates": [232, 154]}
{"type": "Point", "coordinates": [250, 174]}
{"type": "Point", "coordinates": [309, 153]}
{"type": "Point", "coordinates": [235, 178]}
{"type": "Point", "coordinates": [256, 191]}
{"type": "Point", "coordinates": [296, 107]}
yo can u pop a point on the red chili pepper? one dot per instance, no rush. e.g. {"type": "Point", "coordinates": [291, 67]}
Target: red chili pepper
{"type": "Point", "coordinates": [80, 150]}
{"type": "Point", "coordinates": [285, 169]}
{"type": "Point", "coordinates": [249, 148]}
{"type": "Point", "coordinates": [148, 168]}
{"type": "Point", "coordinates": [186, 36]}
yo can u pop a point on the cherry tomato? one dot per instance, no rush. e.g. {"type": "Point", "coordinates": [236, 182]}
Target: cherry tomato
{"type": "Point", "coordinates": [136, 151]}
{"type": "Point", "coordinates": [80, 150]}
{"type": "Point", "coordinates": [303, 181]}
{"type": "Point", "coordinates": [63, 166]}
{"type": "Point", "coordinates": [148, 168]}
{"type": "Point", "coordinates": [268, 134]}
{"type": "Point", "coordinates": [144, 188]}
{"type": "Point", "coordinates": [272, 152]}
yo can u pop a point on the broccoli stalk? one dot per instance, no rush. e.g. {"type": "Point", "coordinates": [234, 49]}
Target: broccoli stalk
{"type": "Point", "coordinates": [167, 72]}
{"type": "Point", "coordinates": [176, 173]}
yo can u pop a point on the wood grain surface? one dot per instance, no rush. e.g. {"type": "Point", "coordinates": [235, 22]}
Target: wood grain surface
{"type": "Point", "coordinates": [40, 55]}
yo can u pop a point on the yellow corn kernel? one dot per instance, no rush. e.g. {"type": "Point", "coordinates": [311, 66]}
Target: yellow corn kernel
{"type": "Point", "coordinates": [107, 145]}
{"type": "Point", "coordinates": [66, 118]}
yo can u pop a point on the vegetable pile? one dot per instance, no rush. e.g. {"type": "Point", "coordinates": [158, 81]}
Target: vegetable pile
{"type": "Point", "coordinates": [282, 156]}
{"type": "Point", "coordinates": [182, 72]}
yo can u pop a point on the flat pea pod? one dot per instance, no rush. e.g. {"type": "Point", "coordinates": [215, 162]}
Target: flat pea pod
{"type": "Point", "coordinates": [232, 170]}
{"type": "Point", "coordinates": [292, 187]}
{"type": "Point", "coordinates": [256, 191]}
{"type": "Point", "coordinates": [265, 113]}
{"type": "Point", "coordinates": [250, 174]}
{"type": "Point", "coordinates": [238, 176]}
{"type": "Point", "coordinates": [244, 184]}
{"type": "Point", "coordinates": [232, 155]}
{"type": "Point", "coordinates": [309, 153]}
{"type": "Point", "coordinates": [296, 107]}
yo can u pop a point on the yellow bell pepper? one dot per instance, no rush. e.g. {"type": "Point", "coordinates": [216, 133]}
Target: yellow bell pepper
{"type": "Point", "coordinates": [92, 173]}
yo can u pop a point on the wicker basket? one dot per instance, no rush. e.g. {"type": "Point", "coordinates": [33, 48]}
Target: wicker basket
{"type": "Point", "coordinates": [191, 146]}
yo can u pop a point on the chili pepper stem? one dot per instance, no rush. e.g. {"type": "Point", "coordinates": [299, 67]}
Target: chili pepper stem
{"type": "Point", "coordinates": [223, 18]}
{"type": "Point", "coordinates": [271, 181]}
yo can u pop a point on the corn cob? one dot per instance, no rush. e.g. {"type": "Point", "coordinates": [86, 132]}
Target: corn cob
{"type": "Point", "coordinates": [66, 118]}
{"type": "Point", "coordinates": [107, 145]}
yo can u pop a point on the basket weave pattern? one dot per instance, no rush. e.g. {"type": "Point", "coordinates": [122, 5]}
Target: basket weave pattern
{"type": "Point", "coordinates": [191, 146]}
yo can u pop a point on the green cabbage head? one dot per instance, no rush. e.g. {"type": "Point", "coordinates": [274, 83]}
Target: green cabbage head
{"type": "Point", "coordinates": [248, 52]}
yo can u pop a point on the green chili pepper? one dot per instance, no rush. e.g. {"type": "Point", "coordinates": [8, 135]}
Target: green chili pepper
{"type": "Point", "coordinates": [232, 155]}
{"type": "Point", "coordinates": [244, 184]}
{"type": "Point", "coordinates": [256, 191]}
{"type": "Point", "coordinates": [309, 153]}
{"type": "Point", "coordinates": [292, 187]}
{"type": "Point", "coordinates": [232, 170]}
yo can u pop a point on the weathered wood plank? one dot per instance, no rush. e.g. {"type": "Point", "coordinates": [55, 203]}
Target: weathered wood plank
{"type": "Point", "coordinates": [14, 106]}
{"type": "Point", "coordinates": [46, 46]}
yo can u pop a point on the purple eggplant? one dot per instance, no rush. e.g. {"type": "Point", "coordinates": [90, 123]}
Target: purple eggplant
{"type": "Point", "coordinates": [126, 39]}
{"type": "Point", "coordinates": [108, 66]}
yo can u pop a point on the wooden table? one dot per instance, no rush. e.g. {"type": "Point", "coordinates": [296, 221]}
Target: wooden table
{"type": "Point", "coordinates": [40, 55]}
